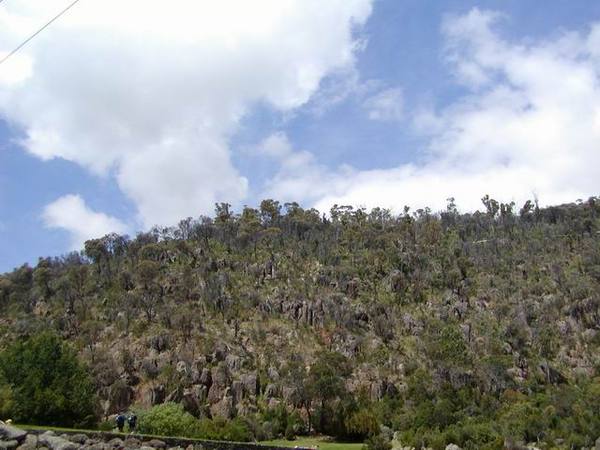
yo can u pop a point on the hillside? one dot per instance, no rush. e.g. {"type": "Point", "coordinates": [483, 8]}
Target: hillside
{"type": "Point", "coordinates": [476, 329]}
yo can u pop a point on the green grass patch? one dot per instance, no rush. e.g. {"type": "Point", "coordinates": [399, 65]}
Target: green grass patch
{"type": "Point", "coordinates": [55, 429]}
{"type": "Point", "coordinates": [314, 442]}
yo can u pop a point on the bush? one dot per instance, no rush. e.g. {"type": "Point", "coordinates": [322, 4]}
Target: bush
{"type": "Point", "coordinates": [6, 400]}
{"type": "Point", "coordinates": [362, 424]}
{"type": "Point", "coordinates": [47, 383]}
{"type": "Point", "coordinates": [106, 425]}
{"type": "Point", "coordinates": [282, 422]}
{"type": "Point", "coordinates": [237, 430]}
{"type": "Point", "coordinates": [168, 419]}
{"type": "Point", "coordinates": [220, 429]}
{"type": "Point", "coordinates": [377, 442]}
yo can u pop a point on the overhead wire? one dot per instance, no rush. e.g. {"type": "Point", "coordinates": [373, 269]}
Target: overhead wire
{"type": "Point", "coordinates": [26, 41]}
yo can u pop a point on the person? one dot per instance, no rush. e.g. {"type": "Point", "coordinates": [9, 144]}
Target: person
{"type": "Point", "coordinates": [120, 422]}
{"type": "Point", "coordinates": [132, 422]}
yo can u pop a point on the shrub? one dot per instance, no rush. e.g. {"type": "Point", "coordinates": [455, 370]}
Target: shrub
{"type": "Point", "coordinates": [290, 435]}
{"type": "Point", "coordinates": [6, 400]}
{"type": "Point", "coordinates": [106, 425]}
{"type": "Point", "coordinates": [48, 385]}
{"type": "Point", "coordinates": [236, 430]}
{"type": "Point", "coordinates": [283, 422]}
{"type": "Point", "coordinates": [362, 424]}
{"type": "Point", "coordinates": [220, 429]}
{"type": "Point", "coordinates": [168, 419]}
{"type": "Point", "coordinates": [377, 442]}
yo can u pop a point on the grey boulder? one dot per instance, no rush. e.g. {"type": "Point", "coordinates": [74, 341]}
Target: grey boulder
{"type": "Point", "coordinates": [10, 433]}
{"type": "Point", "coordinates": [54, 442]}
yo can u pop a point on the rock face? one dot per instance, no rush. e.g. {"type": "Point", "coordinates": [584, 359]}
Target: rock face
{"type": "Point", "coordinates": [223, 408]}
{"type": "Point", "coordinates": [251, 383]}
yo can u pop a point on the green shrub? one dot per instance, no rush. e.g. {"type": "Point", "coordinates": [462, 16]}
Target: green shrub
{"type": "Point", "coordinates": [106, 425]}
{"type": "Point", "coordinates": [362, 424]}
{"type": "Point", "coordinates": [377, 442]}
{"type": "Point", "coordinates": [220, 429]}
{"type": "Point", "coordinates": [6, 401]}
{"type": "Point", "coordinates": [168, 419]}
{"type": "Point", "coordinates": [290, 434]}
{"type": "Point", "coordinates": [236, 430]}
{"type": "Point", "coordinates": [283, 422]}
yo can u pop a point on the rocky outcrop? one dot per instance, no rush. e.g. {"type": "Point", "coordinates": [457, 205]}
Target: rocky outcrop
{"type": "Point", "coordinates": [223, 408]}
{"type": "Point", "coordinates": [251, 383]}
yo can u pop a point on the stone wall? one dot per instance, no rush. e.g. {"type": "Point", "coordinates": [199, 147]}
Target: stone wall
{"type": "Point", "coordinates": [17, 439]}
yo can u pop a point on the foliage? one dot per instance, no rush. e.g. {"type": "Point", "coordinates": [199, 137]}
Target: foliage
{"type": "Point", "coordinates": [48, 383]}
{"type": "Point", "coordinates": [469, 329]}
{"type": "Point", "coordinates": [168, 419]}
{"type": "Point", "coordinates": [6, 400]}
{"type": "Point", "coordinates": [282, 422]}
{"type": "Point", "coordinates": [377, 442]}
{"type": "Point", "coordinates": [224, 430]}
{"type": "Point", "coordinates": [363, 423]}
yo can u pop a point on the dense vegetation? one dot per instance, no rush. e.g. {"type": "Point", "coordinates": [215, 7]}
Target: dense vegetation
{"type": "Point", "coordinates": [45, 383]}
{"type": "Point", "coordinates": [475, 329]}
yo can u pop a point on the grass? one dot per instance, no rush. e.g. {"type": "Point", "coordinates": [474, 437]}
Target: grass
{"type": "Point", "coordinates": [313, 442]}
{"type": "Point", "coordinates": [55, 429]}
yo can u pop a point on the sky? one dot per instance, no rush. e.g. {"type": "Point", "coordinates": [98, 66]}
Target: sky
{"type": "Point", "coordinates": [125, 115]}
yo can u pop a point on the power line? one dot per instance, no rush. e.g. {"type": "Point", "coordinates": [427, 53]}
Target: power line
{"type": "Point", "coordinates": [22, 44]}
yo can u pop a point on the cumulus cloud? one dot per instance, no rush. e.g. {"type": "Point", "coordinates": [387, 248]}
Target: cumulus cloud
{"type": "Point", "coordinates": [72, 214]}
{"type": "Point", "coordinates": [528, 126]}
{"type": "Point", "coordinates": [385, 105]}
{"type": "Point", "coordinates": [150, 92]}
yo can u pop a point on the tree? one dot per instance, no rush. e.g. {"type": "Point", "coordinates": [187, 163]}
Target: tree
{"type": "Point", "coordinates": [326, 380]}
{"type": "Point", "coordinates": [48, 384]}
{"type": "Point", "coordinates": [149, 291]}
{"type": "Point", "coordinates": [270, 212]}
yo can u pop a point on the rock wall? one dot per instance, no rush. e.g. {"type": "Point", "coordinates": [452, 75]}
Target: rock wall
{"type": "Point", "coordinates": [17, 439]}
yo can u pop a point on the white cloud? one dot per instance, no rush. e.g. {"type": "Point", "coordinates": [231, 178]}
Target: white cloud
{"type": "Point", "coordinates": [277, 146]}
{"type": "Point", "coordinates": [385, 105]}
{"type": "Point", "coordinates": [150, 92]}
{"type": "Point", "coordinates": [530, 125]}
{"type": "Point", "coordinates": [300, 176]}
{"type": "Point", "coordinates": [15, 70]}
{"type": "Point", "coordinates": [72, 214]}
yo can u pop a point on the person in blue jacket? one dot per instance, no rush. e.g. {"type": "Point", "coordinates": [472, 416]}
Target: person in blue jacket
{"type": "Point", "coordinates": [120, 420]}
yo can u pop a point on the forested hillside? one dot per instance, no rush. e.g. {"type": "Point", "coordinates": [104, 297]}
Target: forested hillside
{"type": "Point", "coordinates": [475, 329]}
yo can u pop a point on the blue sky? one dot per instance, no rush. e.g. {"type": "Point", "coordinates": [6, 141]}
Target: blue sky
{"type": "Point", "coordinates": [108, 126]}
